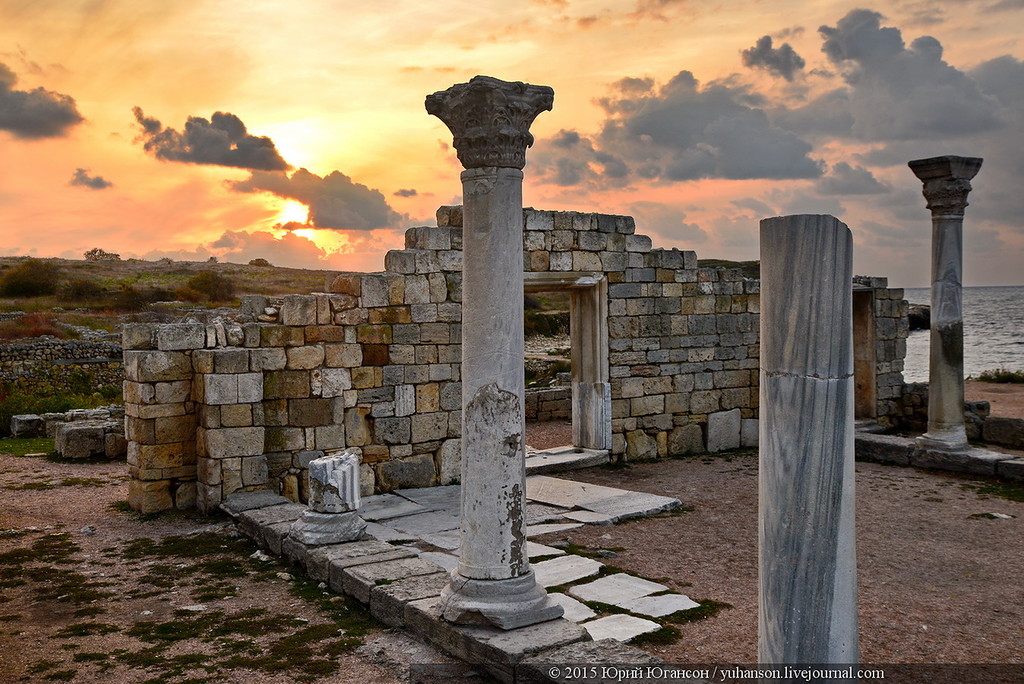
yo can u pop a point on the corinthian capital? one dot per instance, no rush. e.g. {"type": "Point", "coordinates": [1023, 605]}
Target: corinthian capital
{"type": "Point", "coordinates": [947, 181]}
{"type": "Point", "coordinates": [490, 119]}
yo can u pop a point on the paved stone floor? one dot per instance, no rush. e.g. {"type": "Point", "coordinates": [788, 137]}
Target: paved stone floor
{"type": "Point", "coordinates": [426, 521]}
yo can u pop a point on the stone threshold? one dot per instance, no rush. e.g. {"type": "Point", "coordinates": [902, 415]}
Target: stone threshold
{"type": "Point", "coordinates": [906, 451]}
{"type": "Point", "coordinates": [563, 458]}
{"type": "Point", "coordinates": [403, 590]}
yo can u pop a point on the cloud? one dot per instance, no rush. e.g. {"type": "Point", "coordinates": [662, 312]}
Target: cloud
{"type": "Point", "coordinates": [667, 222]}
{"type": "Point", "coordinates": [782, 61]}
{"type": "Point", "coordinates": [677, 132]}
{"type": "Point", "coordinates": [334, 201]}
{"type": "Point", "coordinates": [34, 114]}
{"type": "Point", "coordinates": [850, 180]}
{"type": "Point", "coordinates": [221, 141]}
{"type": "Point", "coordinates": [405, 192]}
{"type": "Point", "coordinates": [290, 250]}
{"type": "Point", "coordinates": [83, 179]}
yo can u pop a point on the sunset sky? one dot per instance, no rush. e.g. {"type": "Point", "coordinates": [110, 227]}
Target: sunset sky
{"type": "Point", "coordinates": [296, 131]}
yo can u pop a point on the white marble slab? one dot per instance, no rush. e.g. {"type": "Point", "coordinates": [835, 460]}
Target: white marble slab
{"type": "Point", "coordinates": [537, 530]}
{"type": "Point", "coordinates": [535, 550]}
{"type": "Point", "coordinates": [617, 589]}
{"type": "Point", "coordinates": [447, 498]}
{"type": "Point", "coordinates": [565, 569]}
{"type": "Point", "coordinates": [619, 627]}
{"type": "Point", "coordinates": [566, 493]}
{"type": "Point", "coordinates": [664, 604]}
{"type": "Point", "coordinates": [449, 540]}
{"type": "Point", "coordinates": [388, 534]}
{"type": "Point", "coordinates": [421, 524]}
{"type": "Point", "coordinates": [631, 505]}
{"type": "Point", "coordinates": [385, 506]}
{"type": "Point", "coordinates": [445, 560]}
{"type": "Point", "coordinates": [541, 513]}
{"type": "Point", "coordinates": [590, 517]}
{"type": "Point", "coordinates": [574, 610]}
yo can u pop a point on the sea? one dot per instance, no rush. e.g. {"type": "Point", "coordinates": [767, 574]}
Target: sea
{"type": "Point", "coordinates": [993, 331]}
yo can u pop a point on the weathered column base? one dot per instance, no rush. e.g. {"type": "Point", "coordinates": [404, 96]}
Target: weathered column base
{"type": "Point", "coordinates": [951, 439]}
{"type": "Point", "coordinates": [505, 603]}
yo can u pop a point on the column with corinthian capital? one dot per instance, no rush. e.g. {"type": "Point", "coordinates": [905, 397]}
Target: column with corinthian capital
{"type": "Point", "coordinates": [490, 121]}
{"type": "Point", "coordinates": [947, 181]}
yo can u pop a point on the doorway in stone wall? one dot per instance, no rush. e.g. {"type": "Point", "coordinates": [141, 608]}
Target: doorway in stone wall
{"type": "Point", "coordinates": [864, 355]}
{"type": "Point", "coordinates": [588, 351]}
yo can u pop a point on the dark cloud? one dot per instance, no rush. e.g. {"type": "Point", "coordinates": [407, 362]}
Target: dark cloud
{"type": "Point", "coordinates": [666, 222]}
{"type": "Point", "coordinates": [850, 180]}
{"type": "Point", "coordinates": [1005, 6]}
{"type": "Point", "coordinates": [334, 200]}
{"type": "Point", "coordinates": [406, 192]}
{"type": "Point", "coordinates": [677, 132]}
{"type": "Point", "coordinates": [782, 61]}
{"type": "Point", "coordinates": [34, 114]}
{"type": "Point", "coordinates": [83, 179]}
{"type": "Point", "coordinates": [900, 93]}
{"type": "Point", "coordinates": [221, 141]}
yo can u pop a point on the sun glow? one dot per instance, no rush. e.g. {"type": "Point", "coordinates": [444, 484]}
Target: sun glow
{"type": "Point", "coordinates": [293, 212]}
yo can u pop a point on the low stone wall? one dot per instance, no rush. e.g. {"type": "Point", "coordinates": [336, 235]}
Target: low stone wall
{"type": "Point", "coordinates": [62, 365]}
{"type": "Point", "coordinates": [979, 424]}
{"type": "Point", "coordinates": [549, 403]}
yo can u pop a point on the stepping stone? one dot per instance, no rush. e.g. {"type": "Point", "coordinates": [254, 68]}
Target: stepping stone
{"type": "Point", "coordinates": [422, 524]}
{"type": "Point", "coordinates": [448, 498]}
{"type": "Point", "coordinates": [386, 506]}
{"type": "Point", "coordinates": [387, 534]}
{"type": "Point", "coordinates": [619, 627]}
{"type": "Point", "coordinates": [535, 550]}
{"type": "Point", "coordinates": [542, 513]}
{"type": "Point", "coordinates": [617, 589]}
{"type": "Point", "coordinates": [537, 530]}
{"type": "Point", "coordinates": [657, 606]}
{"type": "Point", "coordinates": [566, 493]}
{"type": "Point", "coordinates": [565, 569]}
{"type": "Point", "coordinates": [631, 505]}
{"type": "Point", "coordinates": [446, 560]}
{"type": "Point", "coordinates": [590, 517]}
{"type": "Point", "coordinates": [574, 610]}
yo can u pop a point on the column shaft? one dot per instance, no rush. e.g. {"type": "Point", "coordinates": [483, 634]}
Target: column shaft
{"type": "Point", "coordinates": [807, 580]}
{"type": "Point", "coordinates": [946, 350]}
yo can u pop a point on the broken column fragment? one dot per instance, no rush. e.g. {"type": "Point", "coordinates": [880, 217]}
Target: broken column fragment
{"type": "Point", "coordinates": [333, 500]}
{"type": "Point", "coordinates": [807, 596]}
{"type": "Point", "coordinates": [947, 181]}
{"type": "Point", "coordinates": [490, 121]}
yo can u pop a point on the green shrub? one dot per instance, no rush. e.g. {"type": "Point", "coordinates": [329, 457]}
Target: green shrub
{"type": "Point", "coordinates": [81, 289]}
{"type": "Point", "coordinates": [30, 278]}
{"type": "Point", "coordinates": [216, 287]}
{"type": "Point", "coordinates": [1003, 375]}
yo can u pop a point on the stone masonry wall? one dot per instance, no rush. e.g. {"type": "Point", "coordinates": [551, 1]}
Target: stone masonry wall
{"type": "Point", "coordinates": [54, 364]}
{"type": "Point", "coordinates": [374, 364]}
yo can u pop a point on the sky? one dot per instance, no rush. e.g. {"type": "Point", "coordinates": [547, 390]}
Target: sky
{"type": "Point", "coordinates": [296, 131]}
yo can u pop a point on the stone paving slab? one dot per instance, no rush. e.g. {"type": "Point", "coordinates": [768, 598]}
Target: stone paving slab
{"type": "Point", "coordinates": [631, 505]}
{"type": "Point", "coordinates": [535, 550]}
{"type": "Point", "coordinates": [246, 501]}
{"type": "Point", "coordinates": [973, 461]}
{"type": "Point", "coordinates": [387, 534]}
{"type": "Point", "coordinates": [385, 506]}
{"type": "Point", "coordinates": [538, 668]}
{"type": "Point", "coordinates": [619, 627]}
{"type": "Point", "coordinates": [548, 528]}
{"type": "Point", "coordinates": [561, 459]}
{"type": "Point", "coordinates": [422, 524]}
{"type": "Point", "coordinates": [388, 601]}
{"type": "Point", "coordinates": [272, 536]}
{"type": "Point", "coordinates": [616, 589]}
{"type": "Point", "coordinates": [358, 581]}
{"type": "Point", "coordinates": [658, 606]}
{"type": "Point", "coordinates": [565, 569]}
{"type": "Point", "coordinates": [251, 521]}
{"type": "Point", "coordinates": [448, 497]}
{"type": "Point", "coordinates": [449, 540]}
{"type": "Point", "coordinates": [574, 610]}
{"type": "Point", "coordinates": [566, 493]}
{"type": "Point", "coordinates": [498, 651]}
{"type": "Point", "coordinates": [319, 559]}
{"type": "Point", "coordinates": [1012, 470]}
{"type": "Point", "coordinates": [590, 517]}
{"type": "Point", "coordinates": [447, 561]}
{"type": "Point", "coordinates": [541, 513]}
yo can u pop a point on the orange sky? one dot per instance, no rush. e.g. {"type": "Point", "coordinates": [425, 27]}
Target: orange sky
{"type": "Point", "coordinates": [788, 107]}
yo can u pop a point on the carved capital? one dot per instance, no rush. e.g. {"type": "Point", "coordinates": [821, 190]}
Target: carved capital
{"type": "Point", "coordinates": [490, 119]}
{"type": "Point", "coordinates": [947, 196]}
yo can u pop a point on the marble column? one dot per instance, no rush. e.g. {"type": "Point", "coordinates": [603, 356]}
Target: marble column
{"type": "Point", "coordinates": [807, 565]}
{"type": "Point", "coordinates": [490, 121]}
{"type": "Point", "coordinates": [947, 181]}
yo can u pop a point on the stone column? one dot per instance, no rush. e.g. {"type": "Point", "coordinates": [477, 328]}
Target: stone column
{"type": "Point", "coordinates": [807, 586]}
{"type": "Point", "coordinates": [947, 180]}
{"type": "Point", "coordinates": [490, 121]}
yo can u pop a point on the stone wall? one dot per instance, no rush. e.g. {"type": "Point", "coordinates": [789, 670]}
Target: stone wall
{"type": "Point", "coordinates": [665, 361]}
{"type": "Point", "coordinates": [57, 365]}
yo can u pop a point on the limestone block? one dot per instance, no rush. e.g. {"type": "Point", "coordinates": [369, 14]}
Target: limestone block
{"type": "Point", "coordinates": [429, 426]}
{"type": "Point", "coordinates": [115, 446]}
{"type": "Point", "coordinates": [220, 389]}
{"type": "Point", "coordinates": [344, 355]}
{"type": "Point", "coordinates": [748, 432]}
{"type": "Point", "coordinates": [357, 426]}
{"type": "Point", "coordinates": [80, 439]}
{"type": "Point", "coordinates": [297, 309]}
{"type": "Point", "coordinates": [208, 497]}
{"type": "Point", "coordinates": [281, 336]}
{"type": "Point", "coordinates": [234, 442]}
{"type": "Point", "coordinates": [286, 384]}
{"type": "Point", "coordinates": [267, 359]}
{"type": "Point", "coordinates": [332, 382]}
{"type": "Point", "coordinates": [304, 358]}
{"type": "Point", "coordinates": [254, 471]}
{"type": "Point", "coordinates": [560, 261]}
{"type": "Point", "coordinates": [180, 336]}
{"type": "Point", "coordinates": [171, 392]}
{"type": "Point", "coordinates": [414, 471]}
{"type": "Point", "coordinates": [156, 366]}
{"type": "Point", "coordinates": [234, 415]}
{"type": "Point", "coordinates": [724, 431]}
{"type": "Point", "coordinates": [27, 425]}
{"type": "Point", "coordinates": [174, 429]}
{"type": "Point", "coordinates": [686, 439]}
{"type": "Point", "coordinates": [1006, 431]}
{"type": "Point", "coordinates": [334, 483]}
{"type": "Point", "coordinates": [185, 496]}
{"type": "Point", "coordinates": [231, 472]}
{"type": "Point", "coordinates": [640, 446]}
{"type": "Point", "coordinates": [150, 496]}
{"type": "Point", "coordinates": [392, 430]}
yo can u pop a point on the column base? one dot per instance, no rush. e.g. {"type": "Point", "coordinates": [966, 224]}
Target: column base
{"type": "Point", "coordinates": [505, 603]}
{"type": "Point", "coordinates": [951, 439]}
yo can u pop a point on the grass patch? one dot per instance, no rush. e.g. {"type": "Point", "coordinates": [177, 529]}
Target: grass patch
{"type": "Point", "coordinates": [30, 487]}
{"type": "Point", "coordinates": [663, 636]}
{"type": "Point", "coordinates": [83, 629]}
{"type": "Point", "coordinates": [997, 490]}
{"type": "Point", "coordinates": [708, 608]}
{"type": "Point", "coordinates": [19, 446]}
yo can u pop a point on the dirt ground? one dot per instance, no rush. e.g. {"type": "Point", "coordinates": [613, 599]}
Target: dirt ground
{"type": "Point", "coordinates": [1006, 399]}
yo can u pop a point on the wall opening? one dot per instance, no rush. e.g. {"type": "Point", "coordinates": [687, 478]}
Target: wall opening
{"type": "Point", "coordinates": [864, 355]}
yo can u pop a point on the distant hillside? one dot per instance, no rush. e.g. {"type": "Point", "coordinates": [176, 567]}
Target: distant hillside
{"type": "Point", "coordinates": [751, 269]}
